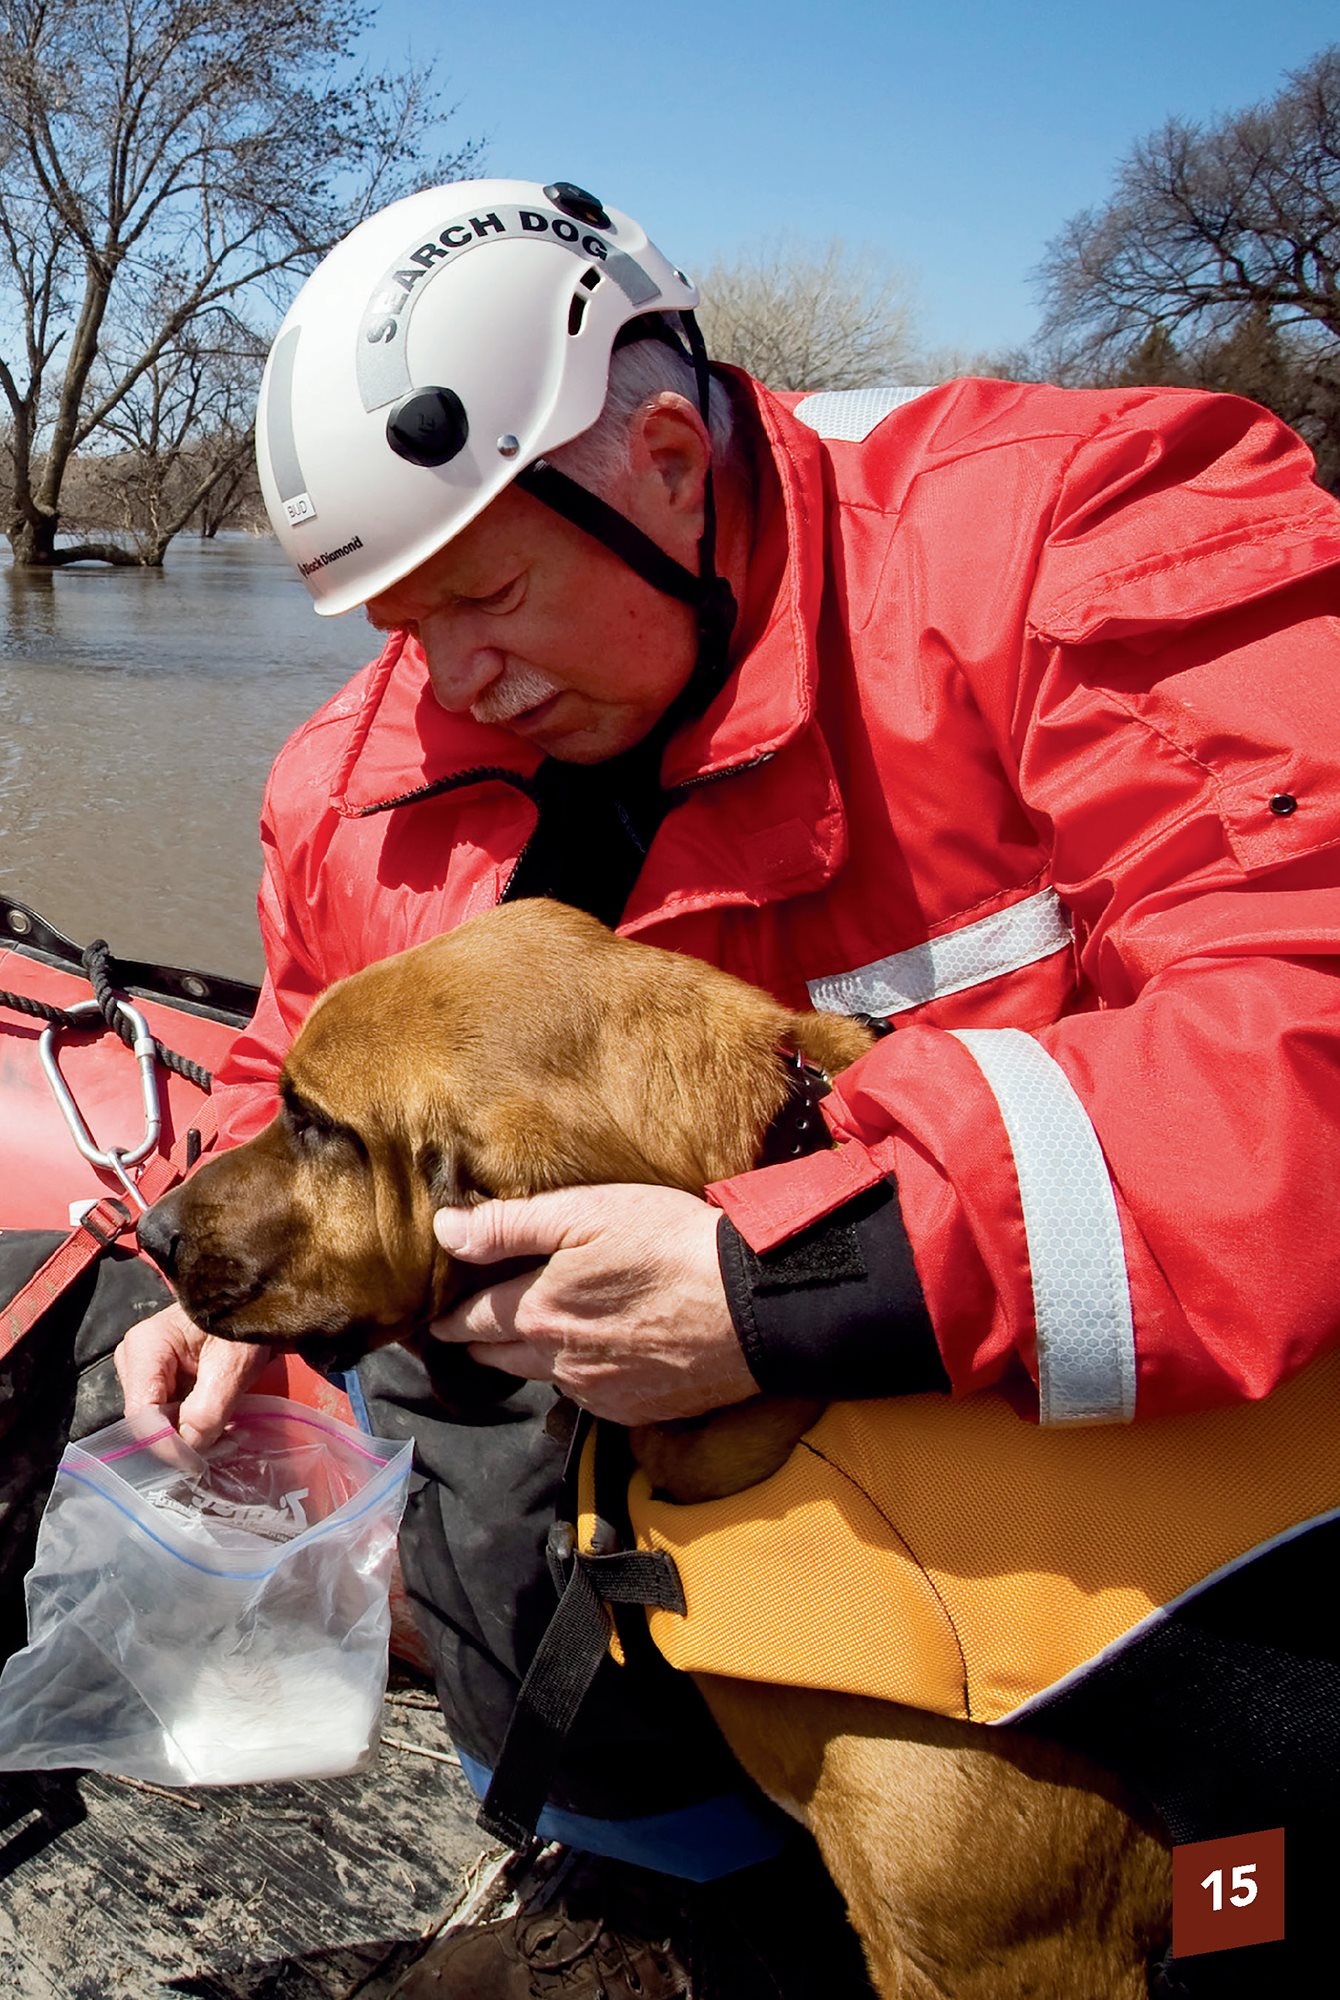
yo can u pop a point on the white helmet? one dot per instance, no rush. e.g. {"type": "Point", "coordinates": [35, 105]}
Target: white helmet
{"type": "Point", "coordinates": [413, 379]}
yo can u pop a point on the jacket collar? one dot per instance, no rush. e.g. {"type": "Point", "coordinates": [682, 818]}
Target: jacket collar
{"type": "Point", "coordinates": [769, 696]}
{"type": "Point", "coordinates": [401, 743]}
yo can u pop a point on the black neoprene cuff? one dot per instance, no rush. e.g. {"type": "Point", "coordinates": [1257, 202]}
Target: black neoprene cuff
{"type": "Point", "coordinates": [836, 1311]}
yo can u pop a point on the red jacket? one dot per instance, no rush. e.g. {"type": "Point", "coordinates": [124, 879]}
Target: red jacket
{"type": "Point", "coordinates": [1033, 746]}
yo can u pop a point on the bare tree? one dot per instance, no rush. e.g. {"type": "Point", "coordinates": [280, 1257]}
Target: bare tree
{"type": "Point", "coordinates": [1008, 364]}
{"type": "Point", "coordinates": [234, 500]}
{"type": "Point", "coordinates": [832, 319]}
{"type": "Point", "coordinates": [161, 160]}
{"type": "Point", "coordinates": [1211, 224]}
{"type": "Point", "coordinates": [184, 432]}
{"type": "Point", "coordinates": [1259, 359]}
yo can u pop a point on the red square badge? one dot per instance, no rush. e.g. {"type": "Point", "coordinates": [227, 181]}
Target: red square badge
{"type": "Point", "coordinates": [1228, 1892]}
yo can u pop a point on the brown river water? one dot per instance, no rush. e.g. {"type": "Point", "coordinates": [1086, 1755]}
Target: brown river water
{"type": "Point", "coordinates": [140, 711]}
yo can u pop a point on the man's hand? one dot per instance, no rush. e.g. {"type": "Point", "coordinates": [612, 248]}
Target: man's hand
{"type": "Point", "coordinates": [167, 1359]}
{"type": "Point", "coordinates": [628, 1317]}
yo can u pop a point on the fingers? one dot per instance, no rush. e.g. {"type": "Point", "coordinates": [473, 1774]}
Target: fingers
{"type": "Point", "coordinates": [486, 1326]}
{"type": "Point", "coordinates": [487, 1318]}
{"type": "Point", "coordinates": [226, 1371]}
{"type": "Point", "coordinates": [155, 1359]}
{"type": "Point", "coordinates": [535, 1227]}
{"type": "Point", "coordinates": [167, 1360]}
{"type": "Point", "coordinates": [514, 1357]}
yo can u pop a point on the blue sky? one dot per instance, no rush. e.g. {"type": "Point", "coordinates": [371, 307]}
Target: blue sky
{"type": "Point", "coordinates": [954, 140]}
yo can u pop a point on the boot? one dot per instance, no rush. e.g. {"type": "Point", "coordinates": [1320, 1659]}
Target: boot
{"type": "Point", "coordinates": [777, 1931]}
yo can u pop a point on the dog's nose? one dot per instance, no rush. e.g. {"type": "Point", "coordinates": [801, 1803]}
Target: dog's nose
{"type": "Point", "coordinates": [158, 1235]}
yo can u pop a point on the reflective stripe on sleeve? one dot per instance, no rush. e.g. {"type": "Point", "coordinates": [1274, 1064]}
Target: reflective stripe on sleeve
{"type": "Point", "coordinates": [1018, 935]}
{"type": "Point", "coordinates": [1081, 1292]}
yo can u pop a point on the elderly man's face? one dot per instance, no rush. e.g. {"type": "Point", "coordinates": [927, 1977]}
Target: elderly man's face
{"type": "Point", "coordinates": [529, 623]}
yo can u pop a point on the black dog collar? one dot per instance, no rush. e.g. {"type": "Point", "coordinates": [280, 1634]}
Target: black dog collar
{"type": "Point", "coordinates": [798, 1127]}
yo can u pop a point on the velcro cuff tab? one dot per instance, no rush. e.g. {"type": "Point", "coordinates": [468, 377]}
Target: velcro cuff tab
{"type": "Point", "coordinates": [772, 1204]}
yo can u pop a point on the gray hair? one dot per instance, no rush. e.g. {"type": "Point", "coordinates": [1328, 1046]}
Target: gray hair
{"type": "Point", "coordinates": [638, 374]}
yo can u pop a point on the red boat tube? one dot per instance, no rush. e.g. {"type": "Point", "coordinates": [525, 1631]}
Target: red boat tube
{"type": "Point", "coordinates": [45, 1179]}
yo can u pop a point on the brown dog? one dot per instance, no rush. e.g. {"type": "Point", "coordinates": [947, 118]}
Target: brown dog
{"type": "Point", "coordinates": [532, 1049]}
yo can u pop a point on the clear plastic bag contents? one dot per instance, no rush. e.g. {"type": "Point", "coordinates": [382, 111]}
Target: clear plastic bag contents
{"type": "Point", "coordinates": [215, 1619]}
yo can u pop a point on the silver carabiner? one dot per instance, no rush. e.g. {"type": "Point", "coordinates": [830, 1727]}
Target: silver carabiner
{"type": "Point", "coordinates": [112, 1159]}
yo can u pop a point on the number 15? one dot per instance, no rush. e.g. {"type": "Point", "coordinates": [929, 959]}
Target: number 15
{"type": "Point", "coordinates": [1244, 1890]}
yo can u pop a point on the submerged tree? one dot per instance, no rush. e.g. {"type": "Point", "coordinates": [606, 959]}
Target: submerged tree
{"type": "Point", "coordinates": [163, 162]}
{"type": "Point", "coordinates": [184, 432]}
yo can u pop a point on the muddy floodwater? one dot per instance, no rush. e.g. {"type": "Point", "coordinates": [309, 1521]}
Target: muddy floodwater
{"type": "Point", "coordinates": [140, 711]}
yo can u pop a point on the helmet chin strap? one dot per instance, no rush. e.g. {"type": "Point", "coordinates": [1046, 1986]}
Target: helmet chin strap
{"type": "Point", "coordinates": [707, 593]}
{"type": "Point", "coordinates": [596, 822]}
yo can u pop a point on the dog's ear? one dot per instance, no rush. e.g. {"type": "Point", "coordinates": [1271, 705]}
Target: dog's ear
{"type": "Point", "coordinates": [830, 1040]}
{"type": "Point", "coordinates": [445, 1173]}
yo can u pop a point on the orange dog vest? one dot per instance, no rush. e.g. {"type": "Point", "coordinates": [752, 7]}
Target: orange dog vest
{"type": "Point", "coordinates": [950, 1556]}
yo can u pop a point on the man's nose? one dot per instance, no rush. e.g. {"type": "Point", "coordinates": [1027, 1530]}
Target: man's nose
{"type": "Point", "coordinates": [459, 668]}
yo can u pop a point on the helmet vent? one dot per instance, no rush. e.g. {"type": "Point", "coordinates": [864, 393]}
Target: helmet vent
{"type": "Point", "coordinates": [577, 307]}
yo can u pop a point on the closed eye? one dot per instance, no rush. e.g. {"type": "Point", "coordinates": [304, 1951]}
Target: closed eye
{"type": "Point", "coordinates": [316, 1132]}
{"type": "Point", "coordinates": [508, 597]}
{"type": "Point", "coordinates": [505, 599]}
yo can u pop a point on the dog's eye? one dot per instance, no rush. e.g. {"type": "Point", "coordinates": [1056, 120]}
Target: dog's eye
{"type": "Point", "coordinates": [332, 1138]}
{"type": "Point", "coordinates": [317, 1135]}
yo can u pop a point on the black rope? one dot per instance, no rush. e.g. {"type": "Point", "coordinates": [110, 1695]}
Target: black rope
{"type": "Point", "coordinates": [97, 963]}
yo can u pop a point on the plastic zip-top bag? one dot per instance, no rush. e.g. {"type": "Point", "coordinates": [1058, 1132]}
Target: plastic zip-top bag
{"type": "Point", "coordinates": [210, 1619]}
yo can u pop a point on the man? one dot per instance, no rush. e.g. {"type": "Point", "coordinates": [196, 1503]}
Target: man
{"type": "Point", "coordinates": [1001, 714]}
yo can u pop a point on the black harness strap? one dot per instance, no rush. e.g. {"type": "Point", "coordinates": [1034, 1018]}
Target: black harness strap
{"type": "Point", "coordinates": [798, 1128]}
{"type": "Point", "coordinates": [569, 1656]}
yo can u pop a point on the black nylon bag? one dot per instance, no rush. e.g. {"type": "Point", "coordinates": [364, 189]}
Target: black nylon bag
{"type": "Point", "coordinates": [59, 1383]}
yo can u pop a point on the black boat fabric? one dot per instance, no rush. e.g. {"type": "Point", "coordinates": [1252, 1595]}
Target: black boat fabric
{"type": "Point", "coordinates": [207, 994]}
{"type": "Point", "coordinates": [59, 1383]}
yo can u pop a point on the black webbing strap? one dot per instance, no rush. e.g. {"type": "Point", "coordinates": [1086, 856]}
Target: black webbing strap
{"type": "Point", "coordinates": [1225, 1710]}
{"type": "Point", "coordinates": [566, 1662]}
{"type": "Point", "coordinates": [709, 594]}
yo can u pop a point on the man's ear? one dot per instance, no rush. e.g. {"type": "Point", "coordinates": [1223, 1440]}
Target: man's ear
{"type": "Point", "coordinates": [669, 452]}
